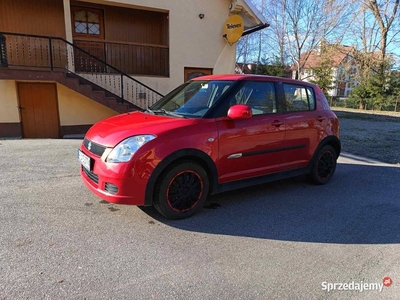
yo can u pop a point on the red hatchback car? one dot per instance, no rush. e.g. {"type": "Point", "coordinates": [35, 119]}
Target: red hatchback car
{"type": "Point", "coordinates": [211, 134]}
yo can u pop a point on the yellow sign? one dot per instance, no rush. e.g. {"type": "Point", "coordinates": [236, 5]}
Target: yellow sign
{"type": "Point", "coordinates": [233, 29]}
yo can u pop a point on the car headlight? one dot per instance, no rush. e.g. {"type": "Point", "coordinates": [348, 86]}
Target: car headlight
{"type": "Point", "coordinates": [124, 151]}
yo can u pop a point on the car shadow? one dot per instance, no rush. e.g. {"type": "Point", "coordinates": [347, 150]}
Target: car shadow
{"type": "Point", "coordinates": [361, 205]}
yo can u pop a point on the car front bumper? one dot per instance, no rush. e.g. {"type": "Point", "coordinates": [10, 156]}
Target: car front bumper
{"type": "Point", "coordinates": [113, 182]}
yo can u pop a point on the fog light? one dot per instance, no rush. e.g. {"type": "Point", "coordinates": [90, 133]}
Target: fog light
{"type": "Point", "coordinates": [111, 188]}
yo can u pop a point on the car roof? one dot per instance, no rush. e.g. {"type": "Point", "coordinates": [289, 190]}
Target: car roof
{"type": "Point", "coordinates": [251, 77]}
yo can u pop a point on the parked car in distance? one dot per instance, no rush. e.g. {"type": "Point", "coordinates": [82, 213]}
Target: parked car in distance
{"type": "Point", "coordinates": [211, 134]}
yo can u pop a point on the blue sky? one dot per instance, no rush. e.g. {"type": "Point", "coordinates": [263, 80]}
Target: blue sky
{"type": "Point", "coordinates": [352, 35]}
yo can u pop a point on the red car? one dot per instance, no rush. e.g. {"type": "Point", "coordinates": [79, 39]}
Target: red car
{"type": "Point", "coordinates": [211, 134]}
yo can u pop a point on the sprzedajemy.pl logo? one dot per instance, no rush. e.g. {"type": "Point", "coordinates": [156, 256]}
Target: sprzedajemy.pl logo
{"type": "Point", "coordinates": [360, 286]}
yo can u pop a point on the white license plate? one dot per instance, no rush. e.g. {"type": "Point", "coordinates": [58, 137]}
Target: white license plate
{"type": "Point", "coordinates": [84, 160]}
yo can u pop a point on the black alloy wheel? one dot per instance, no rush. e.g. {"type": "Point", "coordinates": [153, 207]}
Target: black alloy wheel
{"type": "Point", "coordinates": [182, 190]}
{"type": "Point", "coordinates": [324, 165]}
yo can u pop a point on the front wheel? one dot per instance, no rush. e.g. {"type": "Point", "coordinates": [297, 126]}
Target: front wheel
{"type": "Point", "coordinates": [181, 191]}
{"type": "Point", "coordinates": [324, 165]}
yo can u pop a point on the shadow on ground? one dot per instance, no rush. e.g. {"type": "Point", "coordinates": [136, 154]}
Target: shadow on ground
{"type": "Point", "coordinates": [361, 205]}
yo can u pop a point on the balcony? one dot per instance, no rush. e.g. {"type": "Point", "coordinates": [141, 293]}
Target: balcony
{"type": "Point", "coordinates": [133, 59]}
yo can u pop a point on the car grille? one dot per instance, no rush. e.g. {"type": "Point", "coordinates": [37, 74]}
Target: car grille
{"type": "Point", "coordinates": [111, 188]}
{"type": "Point", "coordinates": [96, 149]}
{"type": "Point", "coordinates": [93, 177]}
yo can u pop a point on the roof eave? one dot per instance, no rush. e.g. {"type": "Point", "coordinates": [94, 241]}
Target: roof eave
{"type": "Point", "coordinates": [255, 11]}
{"type": "Point", "coordinates": [255, 28]}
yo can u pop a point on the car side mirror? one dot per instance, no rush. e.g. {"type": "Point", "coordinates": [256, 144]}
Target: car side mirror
{"type": "Point", "coordinates": [239, 112]}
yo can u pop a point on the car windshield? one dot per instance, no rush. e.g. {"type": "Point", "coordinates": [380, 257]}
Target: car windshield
{"type": "Point", "coordinates": [192, 99]}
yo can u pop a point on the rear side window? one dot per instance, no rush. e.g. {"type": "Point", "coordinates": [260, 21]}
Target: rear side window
{"type": "Point", "coordinates": [299, 98]}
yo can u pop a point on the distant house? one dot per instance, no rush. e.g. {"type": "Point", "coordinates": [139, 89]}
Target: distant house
{"type": "Point", "coordinates": [66, 64]}
{"type": "Point", "coordinates": [341, 62]}
{"type": "Point", "coordinates": [250, 68]}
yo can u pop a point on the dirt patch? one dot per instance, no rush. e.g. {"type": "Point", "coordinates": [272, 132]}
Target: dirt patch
{"type": "Point", "coordinates": [371, 134]}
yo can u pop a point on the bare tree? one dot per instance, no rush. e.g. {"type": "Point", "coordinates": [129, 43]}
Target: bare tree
{"type": "Point", "coordinates": [263, 45]}
{"type": "Point", "coordinates": [246, 49]}
{"type": "Point", "coordinates": [276, 34]}
{"type": "Point", "coordinates": [376, 29]}
{"type": "Point", "coordinates": [385, 13]}
{"type": "Point", "coordinates": [365, 40]}
{"type": "Point", "coordinates": [260, 40]}
{"type": "Point", "coordinates": [309, 22]}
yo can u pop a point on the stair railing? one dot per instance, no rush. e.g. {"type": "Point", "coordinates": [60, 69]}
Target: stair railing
{"type": "Point", "coordinates": [35, 52]}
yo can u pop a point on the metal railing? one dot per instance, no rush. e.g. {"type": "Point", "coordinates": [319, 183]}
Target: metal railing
{"type": "Point", "coordinates": [34, 52]}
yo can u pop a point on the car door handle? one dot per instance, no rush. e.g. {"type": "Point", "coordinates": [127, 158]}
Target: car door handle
{"type": "Point", "coordinates": [320, 118]}
{"type": "Point", "coordinates": [277, 123]}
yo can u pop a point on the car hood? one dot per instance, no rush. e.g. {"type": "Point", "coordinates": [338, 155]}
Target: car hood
{"type": "Point", "coordinates": [109, 132]}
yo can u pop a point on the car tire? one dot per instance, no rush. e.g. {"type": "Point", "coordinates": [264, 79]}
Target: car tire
{"type": "Point", "coordinates": [181, 190]}
{"type": "Point", "coordinates": [323, 166]}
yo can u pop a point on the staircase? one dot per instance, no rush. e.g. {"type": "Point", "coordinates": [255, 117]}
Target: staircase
{"type": "Point", "coordinates": [97, 93]}
{"type": "Point", "coordinates": [33, 57]}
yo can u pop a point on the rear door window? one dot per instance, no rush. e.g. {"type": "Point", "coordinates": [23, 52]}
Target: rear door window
{"type": "Point", "coordinates": [298, 97]}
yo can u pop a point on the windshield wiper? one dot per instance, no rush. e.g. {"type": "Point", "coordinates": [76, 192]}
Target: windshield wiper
{"type": "Point", "coordinates": [148, 110]}
{"type": "Point", "coordinates": [170, 113]}
{"type": "Point", "coordinates": [166, 112]}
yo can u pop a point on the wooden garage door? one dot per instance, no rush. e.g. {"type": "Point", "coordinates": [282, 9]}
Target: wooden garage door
{"type": "Point", "coordinates": [39, 110]}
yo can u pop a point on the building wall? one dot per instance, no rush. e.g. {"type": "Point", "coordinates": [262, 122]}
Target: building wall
{"type": "Point", "coordinates": [77, 113]}
{"type": "Point", "coordinates": [76, 109]}
{"type": "Point", "coordinates": [9, 102]}
{"type": "Point", "coordinates": [193, 42]}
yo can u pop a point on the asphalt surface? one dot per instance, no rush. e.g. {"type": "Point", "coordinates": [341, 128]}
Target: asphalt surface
{"type": "Point", "coordinates": [281, 240]}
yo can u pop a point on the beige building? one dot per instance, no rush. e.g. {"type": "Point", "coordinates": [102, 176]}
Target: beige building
{"type": "Point", "coordinates": [65, 64]}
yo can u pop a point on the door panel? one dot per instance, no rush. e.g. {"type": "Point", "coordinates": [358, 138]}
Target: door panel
{"type": "Point", "coordinates": [252, 147]}
{"type": "Point", "coordinates": [256, 143]}
{"type": "Point", "coordinates": [300, 134]}
{"type": "Point", "coordinates": [39, 110]}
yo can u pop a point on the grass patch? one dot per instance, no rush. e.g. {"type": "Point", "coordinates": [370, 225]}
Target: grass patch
{"type": "Point", "coordinates": [368, 135]}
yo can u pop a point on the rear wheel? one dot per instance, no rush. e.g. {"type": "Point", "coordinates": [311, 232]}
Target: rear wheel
{"type": "Point", "coordinates": [181, 191]}
{"type": "Point", "coordinates": [324, 165]}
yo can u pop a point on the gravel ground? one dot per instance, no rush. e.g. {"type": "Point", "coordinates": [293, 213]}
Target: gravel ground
{"type": "Point", "coordinates": [370, 134]}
